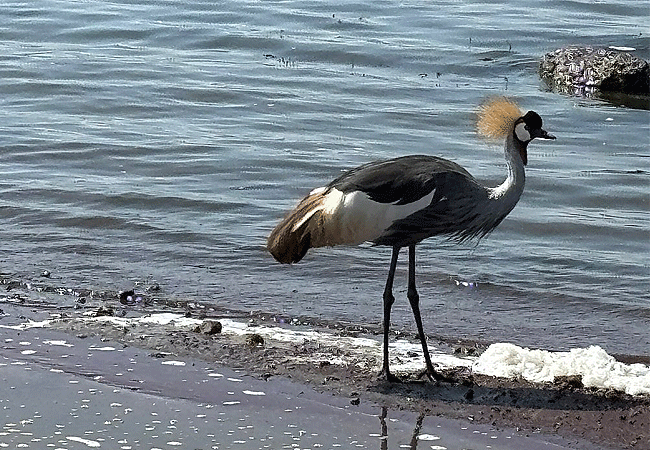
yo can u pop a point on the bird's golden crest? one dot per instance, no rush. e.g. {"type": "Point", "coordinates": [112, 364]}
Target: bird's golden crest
{"type": "Point", "coordinates": [497, 116]}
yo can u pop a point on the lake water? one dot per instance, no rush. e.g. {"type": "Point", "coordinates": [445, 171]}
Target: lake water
{"type": "Point", "coordinates": [160, 141]}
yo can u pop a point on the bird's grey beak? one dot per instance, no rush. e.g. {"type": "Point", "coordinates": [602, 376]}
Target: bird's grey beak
{"type": "Point", "coordinates": [540, 133]}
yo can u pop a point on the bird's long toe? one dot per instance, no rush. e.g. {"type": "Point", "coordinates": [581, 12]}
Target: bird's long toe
{"type": "Point", "coordinates": [434, 375]}
{"type": "Point", "coordinates": [437, 376]}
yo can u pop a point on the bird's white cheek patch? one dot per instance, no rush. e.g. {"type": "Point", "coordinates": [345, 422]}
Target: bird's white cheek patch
{"type": "Point", "coordinates": [522, 133]}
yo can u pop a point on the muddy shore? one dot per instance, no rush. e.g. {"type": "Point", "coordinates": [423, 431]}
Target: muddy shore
{"type": "Point", "coordinates": [584, 417]}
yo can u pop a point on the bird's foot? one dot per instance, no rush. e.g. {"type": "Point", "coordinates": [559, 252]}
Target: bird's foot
{"type": "Point", "coordinates": [434, 375]}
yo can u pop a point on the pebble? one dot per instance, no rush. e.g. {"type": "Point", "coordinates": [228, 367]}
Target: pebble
{"type": "Point", "coordinates": [209, 327]}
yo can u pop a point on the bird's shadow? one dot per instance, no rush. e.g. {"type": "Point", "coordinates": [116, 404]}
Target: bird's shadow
{"type": "Point", "coordinates": [565, 394]}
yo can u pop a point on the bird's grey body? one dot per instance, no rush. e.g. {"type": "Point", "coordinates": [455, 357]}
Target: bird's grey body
{"type": "Point", "coordinates": [452, 197]}
{"type": "Point", "coordinates": [401, 201]}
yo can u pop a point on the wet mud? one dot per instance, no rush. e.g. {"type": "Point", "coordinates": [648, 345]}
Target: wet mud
{"type": "Point", "coordinates": [585, 417]}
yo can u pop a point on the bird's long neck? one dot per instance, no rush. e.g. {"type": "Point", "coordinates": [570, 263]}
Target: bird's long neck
{"type": "Point", "coordinates": [505, 196]}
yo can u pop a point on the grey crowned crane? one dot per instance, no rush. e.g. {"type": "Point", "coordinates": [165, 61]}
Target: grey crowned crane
{"type": "Point", "coordinates": [401, 201]}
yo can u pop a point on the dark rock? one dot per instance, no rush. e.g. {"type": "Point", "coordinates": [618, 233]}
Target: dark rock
{"type": "Point", "coordinates": [254, 340]}
{"type": "Point", "coordinates": [583, 70]}
{"type": "Point", "coordinates": [127, 297]}
{"type": "Point", "coordinates": [209, 327]}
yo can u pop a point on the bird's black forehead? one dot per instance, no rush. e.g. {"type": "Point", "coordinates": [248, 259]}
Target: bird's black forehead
{"type": "Point", "coordinates": [533, 120]}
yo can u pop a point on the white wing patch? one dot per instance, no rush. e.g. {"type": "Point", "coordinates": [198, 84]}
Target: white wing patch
{"type": "Point", "coordinates": [358, 218]}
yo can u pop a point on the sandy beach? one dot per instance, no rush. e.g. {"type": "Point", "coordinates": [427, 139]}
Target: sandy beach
{"type": "Point", "coordinates": [117, 375]}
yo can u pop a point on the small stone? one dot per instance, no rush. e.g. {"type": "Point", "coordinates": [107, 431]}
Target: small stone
{"type": "Point", "coordinates": [254, 340]}
{"type": "Point", "coordinates": [209, 327]}
{"type": "Point", "coordinates": [126, 297]}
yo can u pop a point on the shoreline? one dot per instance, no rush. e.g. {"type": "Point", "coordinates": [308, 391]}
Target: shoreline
{"type": "Point", "coordinates": [103, 395]}
{"type": "Point", "coordinates": [580, 417]}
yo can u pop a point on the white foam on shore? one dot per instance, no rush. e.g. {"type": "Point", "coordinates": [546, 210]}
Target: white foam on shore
{"type": "Point", "coordinates": [405, 356]}
{"type": "Point", "coordinates": [178, 320]}
{"type": "Point", "coordinates": [27, 325]}
{"type": "Point", "coordinates": [596, 367]}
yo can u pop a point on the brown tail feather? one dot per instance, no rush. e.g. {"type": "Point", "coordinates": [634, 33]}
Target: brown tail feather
{"type": "Point", "coordinates": [291, 238]}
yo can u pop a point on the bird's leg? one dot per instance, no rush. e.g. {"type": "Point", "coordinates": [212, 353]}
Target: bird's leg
{"type": "Point", "coordinates": [414, 300]}
{"type": "Point", "coordinates": [389, 299]}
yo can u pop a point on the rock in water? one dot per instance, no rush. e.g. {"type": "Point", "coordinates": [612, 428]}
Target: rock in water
{"type": "Point", "coordinates": [583, 70]}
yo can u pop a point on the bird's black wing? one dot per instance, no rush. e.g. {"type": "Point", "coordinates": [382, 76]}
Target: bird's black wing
{"type": "Point", "coordinates": [399, 181]}
{"type": "Point", "coordinates": [454, 211]}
